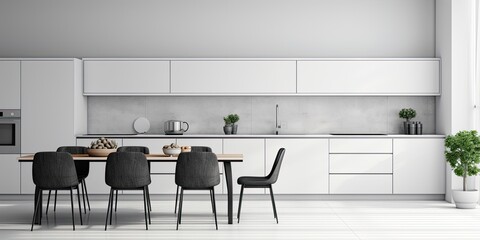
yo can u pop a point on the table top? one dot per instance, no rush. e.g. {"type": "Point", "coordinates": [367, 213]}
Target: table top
{"type": "Point", "coordinates": [150, 158]}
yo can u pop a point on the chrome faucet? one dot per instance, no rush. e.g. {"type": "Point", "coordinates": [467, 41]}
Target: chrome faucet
{"type": "Point", "coordinates": [277, 125]}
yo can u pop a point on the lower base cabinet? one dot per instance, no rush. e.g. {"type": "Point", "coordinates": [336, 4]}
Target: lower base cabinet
{"type": "Point", "coordinates": [305, 166]}
{"type": "Point", "coordinates": [26, 179]}
{"type": "Point", "coordinates": [9, 174]}
{"type": "Point", "coordinates": [419, 166]}
{"type": "Point", "coordinates": [253, 161]}
{"type": "Point", "coordinates": [360, 184]}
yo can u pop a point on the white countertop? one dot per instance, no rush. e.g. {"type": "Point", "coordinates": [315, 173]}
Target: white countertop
{"type": "Point", "coordinates": [256, 136]}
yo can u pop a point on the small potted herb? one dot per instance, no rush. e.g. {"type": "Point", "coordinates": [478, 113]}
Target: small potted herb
{"type": "Point", "coordinates": [462, 152]}
{"type": "Point", "coordinates": [407, 114]}
{"type": "Point", "coordinates": [233, 119]}
{"type": "Point", "coordinates": [227, 129]}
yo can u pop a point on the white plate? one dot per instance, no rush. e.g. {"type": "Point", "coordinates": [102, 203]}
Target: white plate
{"type": "Point", "coordinates": [141, 125]}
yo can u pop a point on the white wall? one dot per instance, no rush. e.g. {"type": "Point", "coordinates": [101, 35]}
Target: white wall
{"type": "Point", "coordinates": [217, 28]}
{"type": "Point", "coordinates": [455, 45]}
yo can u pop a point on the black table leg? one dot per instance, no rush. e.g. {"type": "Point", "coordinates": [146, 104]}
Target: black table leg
{"type": "Point", "coordinates": [38, 215]}
{"type": "Point", "coordinates": [228, 177]}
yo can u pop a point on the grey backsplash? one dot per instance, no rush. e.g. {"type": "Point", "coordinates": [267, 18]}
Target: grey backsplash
{"type": "Point", "coordinates": [301, 115]}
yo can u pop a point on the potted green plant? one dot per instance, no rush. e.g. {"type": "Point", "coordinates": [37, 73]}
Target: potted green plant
{"type": "Point", "coordinates": [233, 119]}
{"type": "Point", "coordinates": [227, 129]}
{"type": "Point", "coordinates": [462, 152]}
{"type": "Point", "coordinates": [407, 114]}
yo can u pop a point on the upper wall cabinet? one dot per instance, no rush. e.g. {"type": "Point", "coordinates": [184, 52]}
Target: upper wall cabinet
{"type": "Point", "coordinates": [9, 84]}
{"type": "Point", "coordinates": [369, 77]}
{"type": "Point", "coordinates": [53, 109]}
{"type": "Point", "coordinates": [126, 77]}
{"type": "Point", "coordinates": [233, 77]}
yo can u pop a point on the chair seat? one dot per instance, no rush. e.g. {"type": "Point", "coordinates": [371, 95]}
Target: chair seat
{"type": "Point", "coordinates": [254, 181]}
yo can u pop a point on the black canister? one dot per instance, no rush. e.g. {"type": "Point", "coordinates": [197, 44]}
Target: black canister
{"type": "Point", "coordinates": [419, 128]}
{"type": "Point", "coordinates": [412, 128]}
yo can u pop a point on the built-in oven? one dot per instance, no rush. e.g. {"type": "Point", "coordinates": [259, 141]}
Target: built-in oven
{"type": "Point", "coordinates": [9, 131]}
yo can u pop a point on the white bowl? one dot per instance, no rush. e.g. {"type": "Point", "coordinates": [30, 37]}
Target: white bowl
{"type": "Point", "coordinates": [172, 151]}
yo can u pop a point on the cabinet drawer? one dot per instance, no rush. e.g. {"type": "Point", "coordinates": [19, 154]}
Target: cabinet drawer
{"type": "Point", "coordinates": [360, 184]}
{"type": "Point", "coordinates": [361, 145]}
{"type": "Point", "coordinates": [360, 163]}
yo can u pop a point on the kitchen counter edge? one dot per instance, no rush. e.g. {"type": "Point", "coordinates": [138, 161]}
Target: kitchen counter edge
{"type": "Point", "coordinates": [256, 136]}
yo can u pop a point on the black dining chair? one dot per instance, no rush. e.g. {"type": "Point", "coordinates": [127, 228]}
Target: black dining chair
{"type": "Point", "coordinates": [140, 149]}
{"type": "Point", "coordinates": [55, 171]}
{"type": "Point", "coordinates": [127, 171]}
{"type": "Point", "coordinates": [82, 169]}
{"type": "Point", "coordinates": [192, 149]}
{"type": "Point", "coordinates": [262, 182]}
{"type": "Point", "coordinates": [197, 171]}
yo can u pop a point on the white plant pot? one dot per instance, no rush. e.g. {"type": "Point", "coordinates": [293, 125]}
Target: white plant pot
{"type": "Point", "coordinates": [465, 199]}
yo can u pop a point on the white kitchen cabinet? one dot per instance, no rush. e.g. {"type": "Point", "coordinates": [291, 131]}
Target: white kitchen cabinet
{"type": "Point", "coordinates": [233, 77]}
{"type": "Point", "coordinates": [26, 179]}
{"type": "Point", "coordinates": [361, 184]}
{"type": "Point", "coordinates": [215, 144]}
{"type": "Point", "coordinates": [53, 109]}
{"type": "Point", "coordinates": [253, 164]}
{"type": "Point", "coordinates": [9, 174]}
{"type": "Point", "coordinates": [96, 177]}
{"type": "Point", "coordinates": [369, 77]}
{"type": "Point", "coordinates": [117, 77]}
{"type": "Point", "coordinates": [164, 184]}
{"type": "Point", "coordinates": [418, 166]}
{"type": "Point", "coordinates": [360, 145]}
{"type": "Point", "coordinates": [9, 84]}
{"type": "Point", "coordinates": [360, 163]}
{"type": "Point", "coordinates": [305, 165]}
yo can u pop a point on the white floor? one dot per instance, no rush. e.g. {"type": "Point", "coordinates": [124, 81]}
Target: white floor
{"type": "Point", "coordinates": [298, 220]}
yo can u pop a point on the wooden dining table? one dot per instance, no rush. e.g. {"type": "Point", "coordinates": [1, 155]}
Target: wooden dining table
{"type": "Point", "coordinates": [226, 159]}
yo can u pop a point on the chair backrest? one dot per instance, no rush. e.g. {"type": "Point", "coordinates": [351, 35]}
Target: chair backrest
{"type": "Point", "coordinates": [273, 175]}
{"type": "Point", "coordinates": [127, 170]}
{"type": "Point", "coordinates": [197, 170]}
{"type": "Point", "coordinates": [82, 167]}
{"type": "Point", "coordinates": [72, 149]}
{"type": "Point", "coordinates": [54, 170]}
{"type": "Point", "coordinates": [201, 149]}
{"type": "Point", "coordinates": [141, 149]}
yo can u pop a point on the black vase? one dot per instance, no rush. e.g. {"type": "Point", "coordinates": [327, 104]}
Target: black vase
{"type": "Point", "coordinates": [234, 129]}
{"type": "Point", "coordinates": [227, 129]}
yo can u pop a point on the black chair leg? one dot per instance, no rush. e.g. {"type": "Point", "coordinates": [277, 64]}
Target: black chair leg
{"type": "Point", "coordinates": [145, 206]}
{"type": "Point", "coordinates": [176, 199]}
{"type": "Point", "coordinates": [48, 201]}
{"type": "Point", "coordinates": [211, 200]}
{"type": "Point", "coordinates": [79, 205]}
{"type": "Point", "coordinates": [179, 215]}
{"type": "Point", "coordinates": [86, 194]}
{"type": "Point", "coordinates": [111, 208]}
{"type": "Point", "coordinates": [148, 200]}
{"type": "Point", "coordinates": [55, 204]}
{"type": "Point", "coordinates": [116, 200]}
{"type": "Point", "coordinates": [73, 214]}
{"type": "Point", "coordinates": [273, 204]}
{"type": "Point", "coordinates": [108, 208]}
{"type": "Point", "coordinates": [240, 204]}
{"type": "Point", "coordinates": [214, 207]}
{"type": "Point", "coordinates": [83, 196]}
{"type": "Point", "coordinates": [36, 207]}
